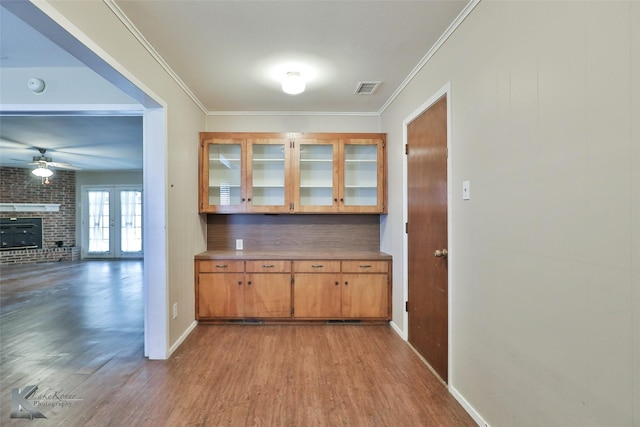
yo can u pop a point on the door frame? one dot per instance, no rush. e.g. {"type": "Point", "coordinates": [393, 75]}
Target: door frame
{"type": "Point", "coordinates": [46, 19]}
{"type": "Point", "coordinates": [445, 90]}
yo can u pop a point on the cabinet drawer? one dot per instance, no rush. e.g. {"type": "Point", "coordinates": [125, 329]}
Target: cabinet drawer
{"type": "Point", "coordinates": [221, 266]}
{"type": "Point", "coordinates": [365, 266]}
{"type": "Point", "coordinates": [268, 266]}
{"type": "Point", "coordinates": [316, 266]}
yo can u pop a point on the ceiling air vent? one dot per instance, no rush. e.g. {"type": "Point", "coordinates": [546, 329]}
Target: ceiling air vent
{"type": "Point", "coordinates": [367, 88]}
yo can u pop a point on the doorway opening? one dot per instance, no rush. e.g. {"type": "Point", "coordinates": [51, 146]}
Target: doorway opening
{"type": "Point", "coordinates": [154, 239]}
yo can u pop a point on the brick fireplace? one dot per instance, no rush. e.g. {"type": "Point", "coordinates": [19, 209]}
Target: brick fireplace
{"type": "Point", "coordinates": [20, 186]}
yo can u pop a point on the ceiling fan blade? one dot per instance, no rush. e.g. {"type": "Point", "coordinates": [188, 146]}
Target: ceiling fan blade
{"type": "Point", "coordinates": [62, 166]}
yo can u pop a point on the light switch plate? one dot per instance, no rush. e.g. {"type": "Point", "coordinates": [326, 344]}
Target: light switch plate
{"type": "Point", "coordinates": [466, 190]}
{"type": "Point", "coordinates": [239, 244]}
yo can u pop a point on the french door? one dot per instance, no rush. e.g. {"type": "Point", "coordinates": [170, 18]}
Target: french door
{"type": "Point", "coordinates": [112, 222]}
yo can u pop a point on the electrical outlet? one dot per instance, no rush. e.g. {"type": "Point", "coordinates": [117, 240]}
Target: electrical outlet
{"type": "Point", "coordinates": [175, 310]}
{"type": "Point", "coordinates": [239, 244]}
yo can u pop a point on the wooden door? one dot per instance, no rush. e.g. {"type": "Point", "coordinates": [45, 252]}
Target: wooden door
{"type": "Point", "coordinates": [220, 295]}
{"type": "Point", "coordinates": [365, 296]}
{"type": "Point", "coordinates": [427, 233]}
{"type": "Point", "coordinates": [317, 296]}
{"type": "Point", "coordinates": [267, 295]}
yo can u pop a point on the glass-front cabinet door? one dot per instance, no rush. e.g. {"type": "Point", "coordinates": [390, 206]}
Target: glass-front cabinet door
{"type": "Point", "coordinates": [362, 180]}
{"type": "Point", "coordinates": [268, 177]}
{"type": "Point", "coordinates": [222, 172]}
{"type": "Point", "coordinates": [316, 183]}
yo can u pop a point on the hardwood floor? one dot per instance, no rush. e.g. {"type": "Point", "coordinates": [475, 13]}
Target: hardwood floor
{"type": "Point", "coordinates": [75, 330]}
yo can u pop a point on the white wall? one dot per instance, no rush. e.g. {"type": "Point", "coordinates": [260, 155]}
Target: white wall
{"type": "Point", "coordinates": [104, 33]}
{"type": "Point", "coordinates": [546, 290]}
{"type": "Point", "coordinates": [292, 123]}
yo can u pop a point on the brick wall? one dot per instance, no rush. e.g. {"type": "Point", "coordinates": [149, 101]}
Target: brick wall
{"type": "Point", "coordinates": [21, 186]}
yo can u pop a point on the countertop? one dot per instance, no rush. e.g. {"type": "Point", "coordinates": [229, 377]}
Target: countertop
{"type": "Point", "coordinates": [292, 255]}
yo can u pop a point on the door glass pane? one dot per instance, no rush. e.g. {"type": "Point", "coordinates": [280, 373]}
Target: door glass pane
{"type": "Point", "coordinates": [268, 175]}
{"type": "Point", "coordinates": [99, 221]}
{"type": "Point", "coordinates": [361, 175]}
{"type": "Point", "coordinates": [225, 174]}
{"type": "Point", "coordinates": [130, 221]}
{"type": "Point", "coordinates": [316, 175]}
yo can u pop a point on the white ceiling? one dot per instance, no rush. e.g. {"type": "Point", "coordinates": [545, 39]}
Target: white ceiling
{"type": "Point", "coordinates": [230, 55]}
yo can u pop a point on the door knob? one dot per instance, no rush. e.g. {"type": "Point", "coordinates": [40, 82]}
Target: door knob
{"type": "Point", "coordinates": [441, 253]}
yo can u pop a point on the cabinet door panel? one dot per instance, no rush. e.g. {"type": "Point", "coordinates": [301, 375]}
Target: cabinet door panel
{"type": "Point", "coordinates": [365, 296]}
{"type": "Point", "coordinates": [220, 295]}
{"type": "Point", "coordinates": [316, 175]}
{"type": "Point", "coordinates": [362, 178]}
{"type": "Point", "coordinates": [317, 296]}
{"type": "Point", "coordinates": [268, 177]}
{"type": "Point", "coordinates": [222, 186]}
{"type": "Point", "coordinates": [267, 295]}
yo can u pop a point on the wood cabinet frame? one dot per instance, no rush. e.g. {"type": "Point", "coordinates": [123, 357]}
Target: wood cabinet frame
{"type": "Point", "coordinates": [292, 157]}
{"type": "Point", "coordinates": [338, 289]}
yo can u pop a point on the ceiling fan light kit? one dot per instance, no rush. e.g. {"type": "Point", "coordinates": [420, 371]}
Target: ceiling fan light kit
{"type": "Point", "coordinates": [42, 171]}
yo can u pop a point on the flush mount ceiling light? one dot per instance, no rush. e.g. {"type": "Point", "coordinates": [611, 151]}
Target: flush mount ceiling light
{"type": "Point", "coordinates": [293, 83]}
{"type": "Point", "coordinates": [42, 171]}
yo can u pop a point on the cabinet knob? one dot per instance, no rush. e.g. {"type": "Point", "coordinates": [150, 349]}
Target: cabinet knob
{"type": "Point", "coordinates": [346, 283]}
{"type": "Point", "coordinates": [249, 283]}
{"type": "Point", "coordinates": [239, 283]}
{"type": "Point", "coordinates": [337, 283]}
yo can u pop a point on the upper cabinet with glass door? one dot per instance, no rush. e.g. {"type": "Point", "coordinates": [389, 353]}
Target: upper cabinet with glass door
{"type": "Point", "coordinates": [292, 173]}
{"type": "Point", "coordinates": [362, 180]}
{"type": "Point", "coordinates": [268, 175]}
{"type": "Point", "coordinates": [316, 175]}
{"type": "Point", "coordinates": [222, 175]}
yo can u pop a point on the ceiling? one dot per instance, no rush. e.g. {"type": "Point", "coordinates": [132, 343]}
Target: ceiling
{"type": "Point", "coordinates": [230, 55]}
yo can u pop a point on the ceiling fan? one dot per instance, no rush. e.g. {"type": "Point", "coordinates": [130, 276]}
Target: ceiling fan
{"type": "Point", "coordinates": [42, 161]}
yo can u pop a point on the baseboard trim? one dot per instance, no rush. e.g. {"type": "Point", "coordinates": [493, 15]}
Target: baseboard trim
{"type": "Point", "coordinates": [182, 337]}
{"type": "Point", "coordinates": [467, 407]}
{"type": "Point", "coordinates": [398, 331]}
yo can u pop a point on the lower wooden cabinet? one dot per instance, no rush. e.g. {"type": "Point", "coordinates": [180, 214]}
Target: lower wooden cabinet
{"type": "Point", "coordinates": [296, 290]}
{"type": "Point", "coordinates": [350, 290]}
{"type": "Point", "coordinates": [231, 290]}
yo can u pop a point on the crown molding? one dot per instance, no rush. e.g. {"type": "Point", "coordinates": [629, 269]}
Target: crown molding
{"type": "Point", "coordinates": [154, 53]}
{"type": "Point", "coordinates": [437, 45]}
{"type": "Point", "coordinates": [291, 113]}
